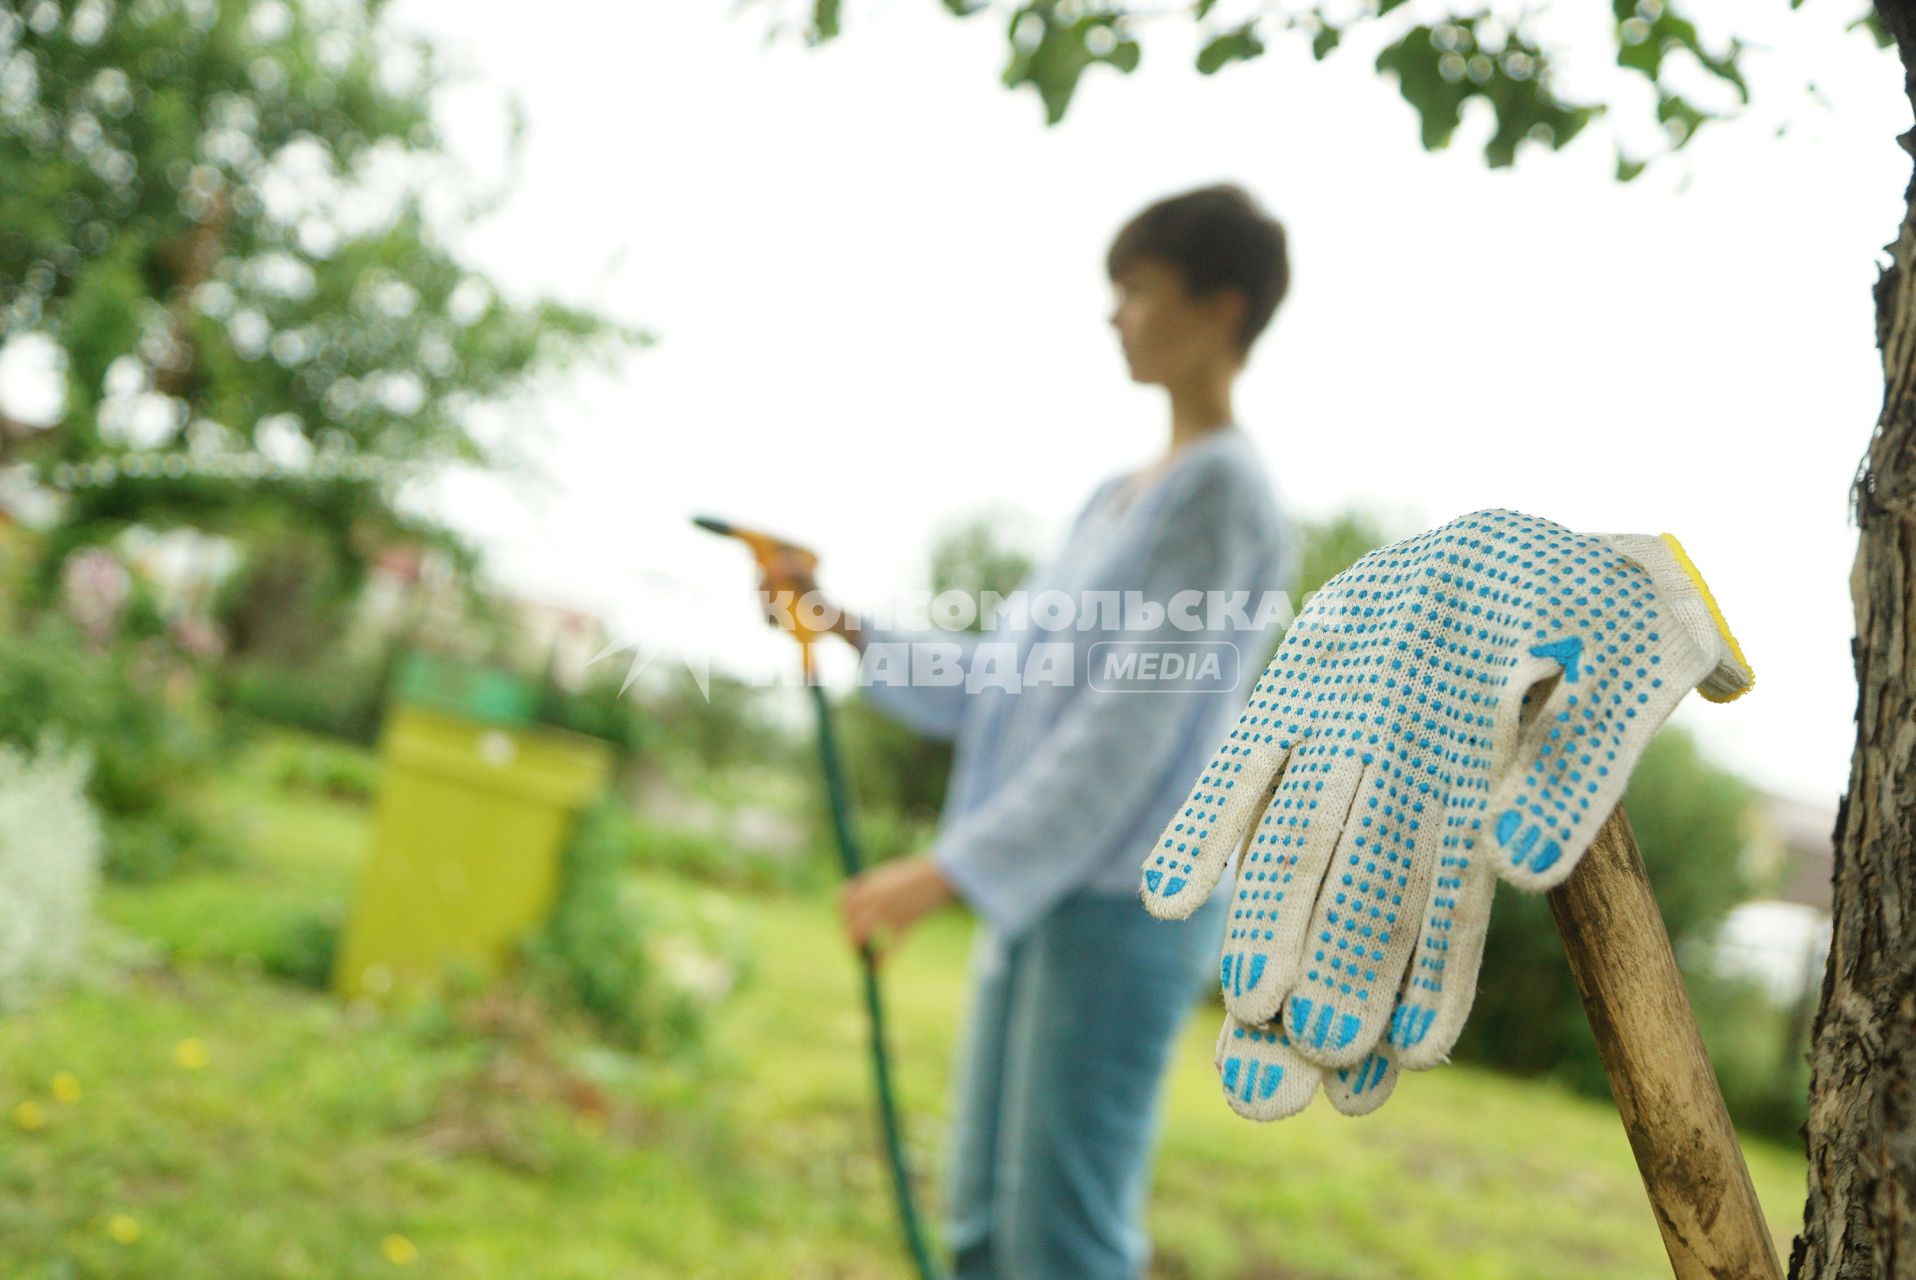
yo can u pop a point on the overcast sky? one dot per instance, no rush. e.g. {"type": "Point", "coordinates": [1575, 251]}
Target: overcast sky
{"type": "Point", "coordinates": [877, 284]}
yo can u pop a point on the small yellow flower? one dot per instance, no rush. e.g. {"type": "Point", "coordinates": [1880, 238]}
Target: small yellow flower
{"type": "Point", "coordinates": [123, 1228]}
{"type": "Point", "coordinates": [190, 1054]}
{"type": "Point", "coordinates": [66, 1087]}
{"type": "Point", "coordinates": [29, 1114]}
{"type": "Point", "coordinates": [399, 1251]}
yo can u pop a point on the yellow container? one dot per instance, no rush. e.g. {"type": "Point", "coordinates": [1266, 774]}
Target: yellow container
{"type": "Point", "coordinates": [470, 825]}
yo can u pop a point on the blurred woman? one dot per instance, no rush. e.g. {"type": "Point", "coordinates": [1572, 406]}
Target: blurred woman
{"type": "Point", "coordinates": [1061, 786]}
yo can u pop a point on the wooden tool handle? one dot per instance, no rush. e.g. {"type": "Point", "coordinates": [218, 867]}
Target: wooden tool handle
{"type": "Point", "coordinates": [1665, 1089]}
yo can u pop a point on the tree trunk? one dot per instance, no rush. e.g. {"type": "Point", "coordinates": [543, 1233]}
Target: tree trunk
{"type": "Point", "coordinates": [1861, 1217]}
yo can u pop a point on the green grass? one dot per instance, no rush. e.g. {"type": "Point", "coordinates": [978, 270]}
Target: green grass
{"type": "Point", "coordinates": [491, 1140]}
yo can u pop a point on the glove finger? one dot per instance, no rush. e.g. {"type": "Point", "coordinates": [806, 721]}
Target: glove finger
{"type": "Point", "coordinates": [1442, 982]}
{"type": "Point", "coordinates": [1429, 1013]}
{"type": "Point", "coordinates": [1437, 990]}
{"type": "Point", "coordinates": [1366, 919]}
{"type": "Point", "coordinates": [1262, 1075]}
{"type": "Point", "coordinates": [1278, 880]}
{"type": "Point", "coordinates": [1629, 643]}
{"type": "Point", "coordinates": [1236, 786]}
{"type": "Point", "coordinates": [1197, 844]}
{"type": "Point", "coordinates": [1360, 1090]}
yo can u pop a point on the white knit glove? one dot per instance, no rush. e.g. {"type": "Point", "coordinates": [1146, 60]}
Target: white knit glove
{"type": "Point", "coordinates": [1460, 706]}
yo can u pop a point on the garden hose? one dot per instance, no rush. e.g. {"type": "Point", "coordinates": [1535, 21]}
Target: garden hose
{"type": "Point", "coordinates": [764, 548]}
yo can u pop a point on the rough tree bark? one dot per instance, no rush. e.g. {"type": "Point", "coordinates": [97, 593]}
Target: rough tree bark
{"type": "Point", "coordinates": [1860, 1220]}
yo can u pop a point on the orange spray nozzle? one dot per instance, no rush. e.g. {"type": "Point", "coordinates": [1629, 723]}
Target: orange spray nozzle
{"type": "Point", "coordinates": [765, 549]}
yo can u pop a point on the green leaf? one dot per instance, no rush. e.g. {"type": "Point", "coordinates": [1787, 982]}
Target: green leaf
{"type": "Point", "coordinates": [825, 14]}
{"type": "Point", "coordinates": [1680, 118]}
{"type": "Point", "coordinates": [1872, 22]}
{"type": "Point", "coordinates": [1238, 45]}
{"type": "Point", "coordinates": [1324, 41]}
{"type": "Point", "coordinates": [1523, 106]}
{"type": "Point", "coordinates": [1727, 67]}
{"type": "Point", "coordinates": [1438, 102]}
{"type": "Point", "coordinates": [1669, 31]}
{"type": "Point", "coordinates": [1646, 57]}
{"type": "Point", "coordinates": [1063, 50]}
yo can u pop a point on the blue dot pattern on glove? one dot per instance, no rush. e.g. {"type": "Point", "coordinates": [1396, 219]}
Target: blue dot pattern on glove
{"type": "Point", "coordinates": [1457, 707]}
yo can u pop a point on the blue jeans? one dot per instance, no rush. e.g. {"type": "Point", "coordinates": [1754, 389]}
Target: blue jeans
{"type": "Point", "coordinates": [1071, 1028]}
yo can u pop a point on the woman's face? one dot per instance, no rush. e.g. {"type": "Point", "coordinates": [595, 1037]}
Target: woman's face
{"type": "Point", "coordinates": [1168, 336]}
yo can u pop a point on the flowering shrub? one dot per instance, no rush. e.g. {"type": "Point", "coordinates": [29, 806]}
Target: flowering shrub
{"type": "Point", "coordinates": [95, 588]}
{"type": "Point", "coordinates": [150, 741]}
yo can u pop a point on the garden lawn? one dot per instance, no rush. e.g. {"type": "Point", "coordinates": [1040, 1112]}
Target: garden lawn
{"type": "Point", "coordinates": [186, 1114]}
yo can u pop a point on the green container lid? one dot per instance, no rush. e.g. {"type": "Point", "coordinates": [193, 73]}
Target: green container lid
{"type": "Point", "coordinates": [467, 689]}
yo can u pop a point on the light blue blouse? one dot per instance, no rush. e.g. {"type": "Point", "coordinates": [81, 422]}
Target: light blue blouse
{"type": "Point", "coordinates": [1063, 786]}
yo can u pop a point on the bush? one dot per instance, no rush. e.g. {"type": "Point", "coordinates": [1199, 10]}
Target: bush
{"type": "Point", "coordinates": [713, 858]}
{"type": "Point", "coordinates": [882, 834]}
{"type": "Point", "coordinates": [598, 709]}
{"type": "Point", "coordinates": [338, 699]}
{"type": "Point", "coordinates": [324, 769]}
{"type": "Point", "coordinates": [604, 954]}
{"type": "Point", "coordinates": [692, 855]}
{"type": "Point", "coordinates": [142, 848]}
{"type": "Point", "coordinates": [345, 698]}
{"type": "Point", "coordinates": [49, 861]}
{"type": "Point", "coordinates": [300, 949]}
{"type": "Point", "coordinates": [891, 767]}
{"type": "Point", "coordinates": [1760, 1050]}
{"type": "Point", "coordinates": [238, 923]}
{"type": "Point", "coordinates": [141, 716]}
{"type": "Point", "coordinates": [729, 723]}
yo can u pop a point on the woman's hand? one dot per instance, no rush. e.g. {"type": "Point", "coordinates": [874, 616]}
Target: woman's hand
{"type": "Point", "coordinates": [793, 573]}
{"type": "Point", "coordinates": [787, 571]}
{"type": "Point", "coordinates": [880, 905]}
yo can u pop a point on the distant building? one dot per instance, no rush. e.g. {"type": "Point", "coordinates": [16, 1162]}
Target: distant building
{"type": "Point", "coordinates": [1794, 850]}
{"type": "Point", "coordinates": [1782, 938]}
{"type": "Point", "coordinates": [555, 638]}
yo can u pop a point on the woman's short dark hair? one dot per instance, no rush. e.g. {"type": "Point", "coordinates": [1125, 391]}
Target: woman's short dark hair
{"type": "Point", "coordinates": [1216, 237]}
